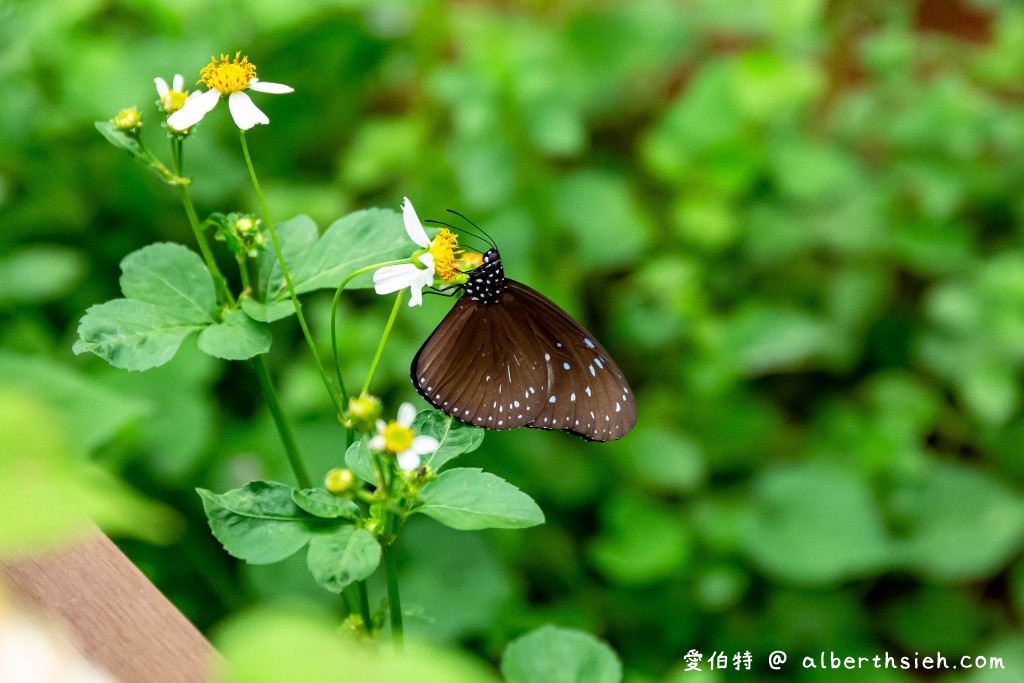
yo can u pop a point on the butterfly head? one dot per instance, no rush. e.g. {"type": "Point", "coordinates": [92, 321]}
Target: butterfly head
{"type": "Point", "coordinates": [487, 282]}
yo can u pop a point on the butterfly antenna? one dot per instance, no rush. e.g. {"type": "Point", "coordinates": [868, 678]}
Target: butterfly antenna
{"type": "Point", "coordinates": [459, 230]}
{"type": "Point", "coordinates": [490, 240]}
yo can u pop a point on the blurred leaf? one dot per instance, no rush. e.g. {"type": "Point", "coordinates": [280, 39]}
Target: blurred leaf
{"type": "Point", "coordinates": [468, 498]}
{"type": "Point", "coordinates": [559, 655]}
{"type": "Point", "coordinates": [948, 509]}
{"type": "Point", "coordinates": [258, 523]}
{"type": "Point", "coordinates": [321, 503]}
{"type": "Point", "coordinates": [640, 542]}
{"type": "Point", "coordinates": [666, 460]}
{"type": "Point", "coordinates": [594, 198]}
{"type": "Point", "coordinates": [237, 337]}
{"type": "Point", "coordinates": [342, 556]}
{"type": "Point", "coordinates": [88, 410]}
{"type": "Point", "coordinates": [456, 438]}
{"type": "Point", "coordinates": [118, 138]}
{"type": "Point", "coordinates": [815, 523]}
{"type": "Point", "coordinates": [273, 646]}
{"type": "Point", "coordinates": [40, 272]}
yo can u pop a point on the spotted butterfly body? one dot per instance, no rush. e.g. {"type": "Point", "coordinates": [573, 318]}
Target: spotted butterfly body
{"type": "Point", "coordinates": [506, 356]}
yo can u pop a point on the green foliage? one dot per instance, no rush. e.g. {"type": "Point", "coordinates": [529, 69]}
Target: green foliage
{"type": "Point", "coordinates": [468, 498]}
{"type": "Point", "coordinates": [342, 556]}
{"type": "Point", "coordinates": [455, 438]}
{"type": "Point", "coordinates": [559, 655]}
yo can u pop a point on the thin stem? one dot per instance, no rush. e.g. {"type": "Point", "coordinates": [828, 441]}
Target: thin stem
{"type": "Point", "coordinates": [394, 599]}
{"type": "Point", "coordinates": [334, 314]}
{"type": "Point", "coordinates": [383, 341]}
{"type": "Point", "coordinates": [287, 277]}
{"type": "Point", "coordinates": [364, 607]}
{"type": "Point", "coordinates": [281, 422]}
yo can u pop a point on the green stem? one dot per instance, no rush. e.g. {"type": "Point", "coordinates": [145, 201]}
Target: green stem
{"type": "Point", "coordinates": [364, 607]}
{"type": "Point", "coordinates": [223, 293]}
{"type": "Point", "coordinates": [383, 341]}
{"type": "Point", "coordinates": [394, 599]}
{"type": "Point", "coordinates": [288, 278]}
{"type": "Point", "coordinates": [334, 313]}
{"type": "Point", "coordinates": [281, 422]}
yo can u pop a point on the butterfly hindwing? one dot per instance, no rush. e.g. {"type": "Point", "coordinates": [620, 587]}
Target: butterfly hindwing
{"type": "Point", "coordinates": [482, 367]}
{"type": "Point", "coordinates": [587, 394]}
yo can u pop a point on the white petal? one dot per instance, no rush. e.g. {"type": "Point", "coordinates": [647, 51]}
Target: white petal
{"type": "Point", "coordinates": [425, 444]}
{"type": "Point", "coordinates": [413, 227]}
{"type": "Point", "coordinates": [393, 278]}
{"type": "Point", "coordinates": [244, 112]}
{"type": "Point", "coordinates": [406, 414]}
{"type": "Point", "coordinates": [381, 426]}
{"type": "Point", "coordinates": [408, 460]}
{"type": "Point", "coordinates": [272, 88]}
{"type": "Point", "coordinates": [193, 111]}
{"type": "Point", "coordinates": [179, 83]}
{"type": "Point", "coordinates": [377, 444]}
{"type": "Point", "coordinates": [161, 87]}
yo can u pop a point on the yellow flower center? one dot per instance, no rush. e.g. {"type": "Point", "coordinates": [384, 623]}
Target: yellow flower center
{"type": "Point", "coordinates": [173, 101]}
{"type": "Point", "coordinates": [444, 248]}
{"type": "Point", "coordinates": [228, 75]}
{"type": "Point", "coordinates": [397, 438]}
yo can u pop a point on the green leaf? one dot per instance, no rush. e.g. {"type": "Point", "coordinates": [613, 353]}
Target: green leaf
{"type": "Point", "coordinates": [816, 523]}
{"type": "Point", "coordinates": [322, 503]}
{"type": "Point", "coordinates": [469, 499]}
{"type": "Point", "coordinates": [237, 337]}
{"type": "Point", "coordinates": [297, 237]}
{"type": "Point", "coordinates": [172, 277]}
{"type": "Point", "coordinates": [132, 335]}
{"type": "Point", "coordinates": [258, 523]}
{"type": "Point", "coordinates": [358, 240]}
{"type": "Point", "coordinates": [342, 556]}
{"type": "Point", "coordinates": [267, 313]}
{"type": "Point", "coordinates": [551, 654]}
{"type": "Point", "coordinates": [118, 138]}
{"type": "Point", "coordinates": [951, 508]}
{"type": "Point", "coordinates": [455, 437]}
{"type": "Point", "coordinates": [170, 294]}
{"type": "Point", "coordinates": [40, 272]}
{"type": "Point", "coordinates": [359, 459]}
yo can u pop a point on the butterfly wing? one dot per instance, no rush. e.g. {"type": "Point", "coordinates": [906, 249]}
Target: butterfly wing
{"type": "Point", "coordinates": [483, 367]}
{"type": "Point", "coordinates": [587, 394]}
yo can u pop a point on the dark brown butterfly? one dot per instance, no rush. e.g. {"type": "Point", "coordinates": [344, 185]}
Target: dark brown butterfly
{"type": "Point", "coordinates": [506, 356]}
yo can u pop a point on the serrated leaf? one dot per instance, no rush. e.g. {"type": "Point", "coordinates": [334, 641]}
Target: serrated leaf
{"type": "Point", "coordinates": [355, 241]}
{"type": "Point", "coordinates": [258, 523]}
{"type": "Point", "coordinates": [551, 654]}
{"type": "Point", "coordinates": [469, 499]}
{"type": "Point", "coordinates": [322, 503]}
{"type": "Point", "coordinates": [359, 459]}
{"type": "Point", "coordinates": [455, 437]}
{"type": "Point", "coordinates": [237, 337]}
{"type": "Point", "coordinates": [132, 335]}
{"type": "Point", "coordinates": [172, 277]}
{"type": "Point", "coordinates": [342, 556]}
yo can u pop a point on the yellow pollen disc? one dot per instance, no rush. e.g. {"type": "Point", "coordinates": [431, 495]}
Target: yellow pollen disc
{"type": "Point", "coordinates": [228, 75]}
{"type": "Point", "coordinates": [444, 248]}
{"type": "Point", "coordinates": [173, 101]}
{"type": "Point", "coordinates": [397, 438]}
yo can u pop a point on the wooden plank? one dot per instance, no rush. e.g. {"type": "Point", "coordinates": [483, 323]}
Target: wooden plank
{"type": "Point", "coordinates": [121, 622]}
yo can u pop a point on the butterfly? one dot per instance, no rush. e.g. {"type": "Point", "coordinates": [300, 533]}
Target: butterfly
{"type": "Point", "coordinates": [506, 356]}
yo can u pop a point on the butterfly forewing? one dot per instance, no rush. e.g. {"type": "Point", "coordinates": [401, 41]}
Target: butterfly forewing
{"type": "Point", "coordinates": [587, 393]}
{"type": "Point", "coordinates": [481, 367]}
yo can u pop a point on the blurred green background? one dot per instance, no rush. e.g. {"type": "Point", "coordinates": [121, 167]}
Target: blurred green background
{"type": "Point", "coordinates": [796, 225]}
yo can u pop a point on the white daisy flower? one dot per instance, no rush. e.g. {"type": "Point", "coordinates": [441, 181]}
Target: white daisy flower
{"type": "Point", "coordinates": [438, 260]}
{"type": "Point", "coordinates": [232, 78]}
{"type": "Point", "coordinates": [172, 97]}
{"type": "Point", "coordinates": [398, 438]}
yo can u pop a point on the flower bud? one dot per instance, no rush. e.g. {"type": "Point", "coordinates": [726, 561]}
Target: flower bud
{"type": "Point", "coordinates": [363, 413]}
{"type": "Point", "coordinates": [128, 120]}
{"type": "Point", "coordinates": [339, 480]}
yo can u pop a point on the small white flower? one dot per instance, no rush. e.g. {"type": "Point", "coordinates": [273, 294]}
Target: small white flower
{"type": "Point", "coordinates": [231, 77]}
{"type": "Point", "coordinates": [174, 96]}
{"type": "Point", "coordinates": [398, 438]}
{"type": "Point", "coordinates": [393, 278]}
